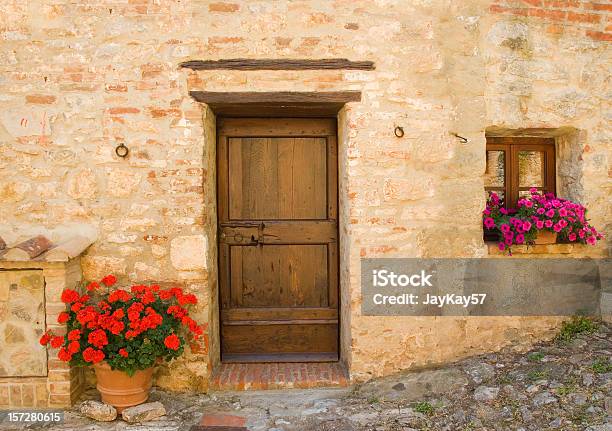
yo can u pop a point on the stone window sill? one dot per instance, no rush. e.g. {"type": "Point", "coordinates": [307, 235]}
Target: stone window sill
{"type": "Point", "coordinates": [559, 250]}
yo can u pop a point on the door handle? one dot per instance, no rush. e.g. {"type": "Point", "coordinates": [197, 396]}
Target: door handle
{"type": "Point", "coordinates": [259, 240]}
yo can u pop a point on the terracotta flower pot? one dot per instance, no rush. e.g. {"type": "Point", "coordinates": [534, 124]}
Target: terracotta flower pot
{"type": "Point", "coordinates": [546, 237]}
{"type": "Point", "coordinates": [120, 390]}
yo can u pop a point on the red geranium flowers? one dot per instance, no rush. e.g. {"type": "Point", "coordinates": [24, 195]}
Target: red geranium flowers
{"type": "Point", "coordinates": [172, 342]}
{"type": "Point", "coordinates": [129, 330]}
{"type": "Point", "coordinates": [69, 296]}
{"type": "Point", "coordinates": [109, 280]}
{"type": "Point", "coordinates": [119, 295]}
{"type": "Point", "coordinates": [93, 356]}
{"type": "Point", "coordinates": [44, 340]}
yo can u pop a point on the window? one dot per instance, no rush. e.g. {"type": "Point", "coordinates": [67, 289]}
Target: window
{"type": "Point", "coordinates": [514, 165]}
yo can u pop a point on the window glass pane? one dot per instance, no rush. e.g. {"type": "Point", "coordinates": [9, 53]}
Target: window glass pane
{"type": "Point", "coordinates": [494, 175]}
{"type": "Point", "coordinates": [531, 168]}
{"type": "Point", "coordinates": [499, 193]}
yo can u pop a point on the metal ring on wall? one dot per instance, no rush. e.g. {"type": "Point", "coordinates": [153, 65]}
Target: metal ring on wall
{"type": "Point", "coordinates": [399, 131]}
{"type": "Point", "coordinates": [122, 151]}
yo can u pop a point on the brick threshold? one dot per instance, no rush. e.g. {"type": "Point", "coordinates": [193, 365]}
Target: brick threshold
{"type": "Point", "coordinates": [216, 428]}
{"type": "Point", "coordinates": [221, 422]}
{"type": "Point", "coordinates": [278, 375]}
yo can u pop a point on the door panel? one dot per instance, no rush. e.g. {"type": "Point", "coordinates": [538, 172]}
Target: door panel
{"type": "Point", "coordinates": [278, 239]}
{"type": "Point", "coordinates": [280, 340]}
{"type": "Point", "coordinates": [279, 276]}
{"type": "Point", "coordinates": [277, 178]}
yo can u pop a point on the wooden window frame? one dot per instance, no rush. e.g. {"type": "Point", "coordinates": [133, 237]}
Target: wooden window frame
{"type": "Point", "coordinates": [511, 147]}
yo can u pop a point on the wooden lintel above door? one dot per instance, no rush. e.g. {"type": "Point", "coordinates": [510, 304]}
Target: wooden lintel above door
{"type": "Point", "coordinates": [278, 64]}
{"type": "Point", "coordinates": [276, 104]}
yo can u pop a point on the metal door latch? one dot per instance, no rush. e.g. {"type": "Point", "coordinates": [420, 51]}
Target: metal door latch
{"type": "Point", "coordinates": [260, 235]}
{"type": "Point", "coordinates": [239, 237]}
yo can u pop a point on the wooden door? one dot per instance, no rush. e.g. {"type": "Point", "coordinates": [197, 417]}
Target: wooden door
{"type": "Point", "coordinates": [278, 239]}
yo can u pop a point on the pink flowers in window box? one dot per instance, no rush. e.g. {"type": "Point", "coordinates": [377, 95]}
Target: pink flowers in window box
{"type": "Point", "coordinates": [536, 214]}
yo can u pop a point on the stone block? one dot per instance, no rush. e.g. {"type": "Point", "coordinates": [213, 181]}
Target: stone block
{"type": "Point", "coordinates": [98, 411]}
{"type": "Point", "coordinates": [400, 189]}
{"type": "Point", "coordinates": [188, 253]}
{"type": "Point", "coordinates": [42, 395]}
{"type": "Point", "coordinates": [4, 395]}
{"type": "Point", "coordinates": [15, 395]}
{"type": "Point", "coordinates": [59, 400]}
{"type": "Point", "coordinates": [82, 184]}
{"type": "Point", "coordinates": [11, 192]}
{"type": "Point", "coordinates": [96, 267]}
{"type": "Point", "coordinates": [27, 394]}
{"type": "Point", "coordinates": [143, 412]}
{"type": "Point", "coordinates": [122, 182]}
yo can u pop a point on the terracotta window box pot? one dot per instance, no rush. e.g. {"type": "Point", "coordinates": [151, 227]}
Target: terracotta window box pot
{"type": "Point", "coordinates": [120, 390]}
{"type": "Point", "coordinates": [546, 237]}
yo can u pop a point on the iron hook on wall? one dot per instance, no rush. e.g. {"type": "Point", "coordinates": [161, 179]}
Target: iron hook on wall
{"type": "Point", "coordinates": [461, 138]}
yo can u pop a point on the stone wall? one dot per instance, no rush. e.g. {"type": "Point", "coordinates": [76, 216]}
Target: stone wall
{"type": "Point", "coordinates": [22, 322]}
{"type": "Point", "coordinates": [78, 78]}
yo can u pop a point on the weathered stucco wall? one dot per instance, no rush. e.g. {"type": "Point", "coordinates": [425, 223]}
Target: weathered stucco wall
{"type": "Point", "coordinates": [79, 78]}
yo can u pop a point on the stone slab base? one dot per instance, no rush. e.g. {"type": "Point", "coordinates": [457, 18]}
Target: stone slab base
{"type": "Point", "coordinates": [294, 375]}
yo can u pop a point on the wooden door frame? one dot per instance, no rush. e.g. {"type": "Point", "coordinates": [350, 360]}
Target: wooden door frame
{"type": "Point", "coordinates": [221, 187]}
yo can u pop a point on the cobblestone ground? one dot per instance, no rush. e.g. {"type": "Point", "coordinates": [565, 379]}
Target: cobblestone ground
{"type": "Point", "coordinates": [561, 385]}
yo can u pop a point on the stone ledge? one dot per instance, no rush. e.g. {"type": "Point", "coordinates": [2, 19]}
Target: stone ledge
{"type": "Point", "coordinates": [557, 250]}
{"type": "Point", "coordinates": [41, 249]}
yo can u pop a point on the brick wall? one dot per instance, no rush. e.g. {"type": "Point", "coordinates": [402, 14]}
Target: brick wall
{"type": "Point", "coordinates": [592, 18]}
